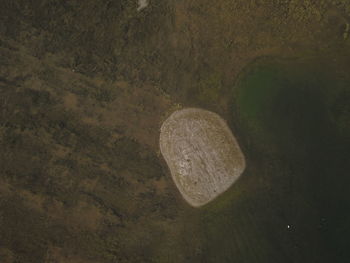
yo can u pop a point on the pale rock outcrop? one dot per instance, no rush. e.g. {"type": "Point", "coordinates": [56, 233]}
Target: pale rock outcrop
{"type": "Point", "coordinates": [203, 156]}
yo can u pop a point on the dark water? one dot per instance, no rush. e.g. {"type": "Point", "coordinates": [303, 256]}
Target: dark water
{"type": "Point", "coordinates": [292, 204]}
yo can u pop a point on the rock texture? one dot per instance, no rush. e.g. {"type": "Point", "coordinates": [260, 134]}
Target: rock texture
{"type": "Point", "coordinates": [142, 4]}
{"type": "Point", "coordinates": [203, 156]}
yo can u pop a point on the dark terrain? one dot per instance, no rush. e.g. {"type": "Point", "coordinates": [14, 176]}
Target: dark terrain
{"type": "Point", "coordinates": [85, 86]}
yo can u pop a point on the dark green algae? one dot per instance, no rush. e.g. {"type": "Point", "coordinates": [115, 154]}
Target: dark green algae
{"type": "Point", "coordinates": [292, 119]}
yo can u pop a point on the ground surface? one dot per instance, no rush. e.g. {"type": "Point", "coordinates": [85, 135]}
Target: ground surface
{"type": "Point", "coordinates": [202, 154]}
{"type": "Point", "coordinates": [84, 88]}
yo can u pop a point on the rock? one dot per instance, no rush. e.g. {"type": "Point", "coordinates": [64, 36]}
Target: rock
{"type": "Point", "coordinates": [142, 4]}
{"type": "Point", "coordinates": [203, 156]}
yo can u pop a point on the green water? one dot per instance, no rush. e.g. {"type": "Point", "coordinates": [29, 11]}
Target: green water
{"type": "Point", "coordinates": [292, 204]}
